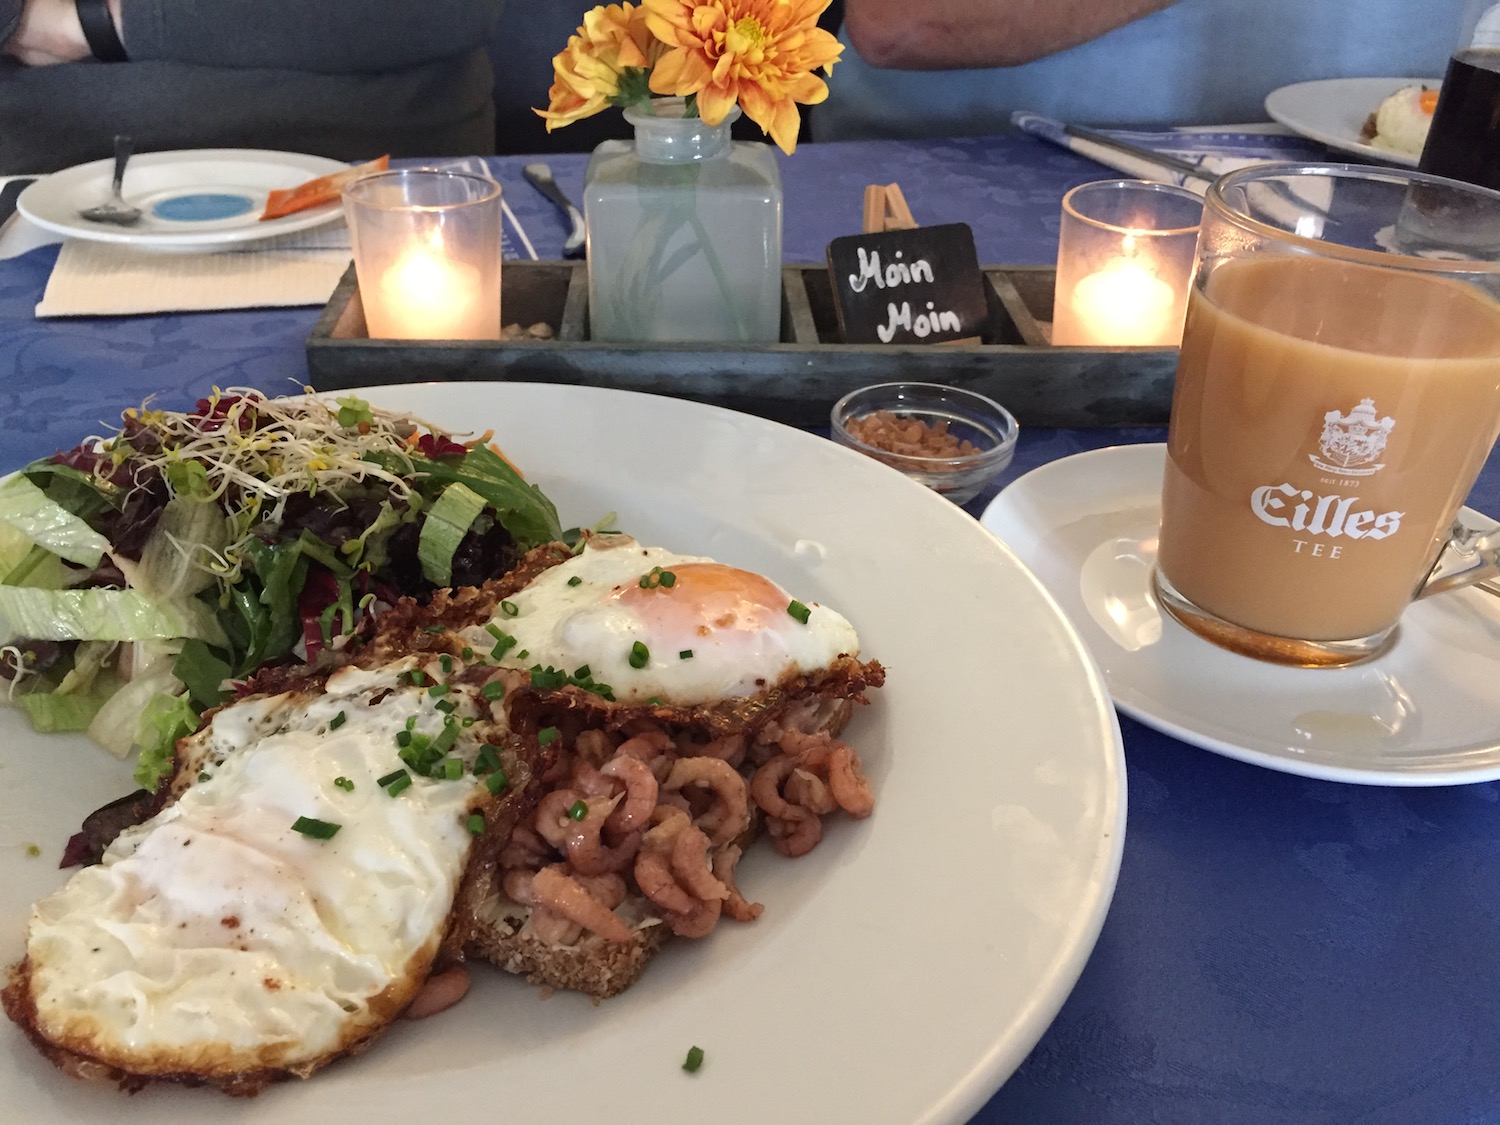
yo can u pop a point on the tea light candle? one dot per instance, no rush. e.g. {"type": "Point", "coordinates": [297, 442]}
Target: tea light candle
{"type": "Point", "coordinates": [1126, 305]}
{"type": "Point", "coordinates": [426, 296]}
{"type": "Point", "coordinates": [1125, 254]}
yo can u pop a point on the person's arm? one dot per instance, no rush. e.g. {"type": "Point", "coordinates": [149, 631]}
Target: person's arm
{"type": "Point", "coordinates": [959, 34]}
{"type": "Point", "coordinates": [47, 31]}
{"type": "Point", "coordinates": [318, 36]}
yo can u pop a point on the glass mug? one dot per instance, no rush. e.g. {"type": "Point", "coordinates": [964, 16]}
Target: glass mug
{"type": "Point", "coordinates": [1337, 393]}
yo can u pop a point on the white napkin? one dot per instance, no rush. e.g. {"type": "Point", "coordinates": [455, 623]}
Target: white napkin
{"type": "Point", "coordinates": [107, 279]}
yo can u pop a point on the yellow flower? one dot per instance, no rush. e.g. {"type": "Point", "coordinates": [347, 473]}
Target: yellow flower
{"type": "Point", "coordinates": [587, 76]}
{"type": "Point", "coordinates": [758, 54]}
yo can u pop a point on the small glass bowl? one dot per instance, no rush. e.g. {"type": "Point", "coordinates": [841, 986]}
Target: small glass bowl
{"type": "Point", "coordinates": [980, 421]}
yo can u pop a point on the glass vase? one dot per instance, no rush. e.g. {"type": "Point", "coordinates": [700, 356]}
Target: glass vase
{"type": "Point", "coordinates": [684, 232]}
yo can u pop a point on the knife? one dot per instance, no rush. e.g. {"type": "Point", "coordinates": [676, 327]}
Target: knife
{"type": "Point", "coordinates": [540, 177]}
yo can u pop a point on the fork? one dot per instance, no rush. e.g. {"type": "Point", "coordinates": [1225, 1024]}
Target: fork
{"type": "Point", "coordinates": [115, 210]}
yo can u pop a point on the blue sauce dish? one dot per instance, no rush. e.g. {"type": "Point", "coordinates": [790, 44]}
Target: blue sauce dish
{"type": "Point", "coordinates": [202, 207]}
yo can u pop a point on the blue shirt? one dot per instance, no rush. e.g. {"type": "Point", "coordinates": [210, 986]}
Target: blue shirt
{"type": "Point", "coordinates": [1198, 62]}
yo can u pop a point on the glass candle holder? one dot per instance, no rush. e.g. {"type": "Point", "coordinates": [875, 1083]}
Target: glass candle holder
{"type": "Point", "coordinates": [427, 253]}
{"type": "Point", "coordinates": [1124, 263]}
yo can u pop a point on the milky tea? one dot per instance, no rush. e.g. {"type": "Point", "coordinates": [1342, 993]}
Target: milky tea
{"type": "Point", "coordinates": [1328, 419]}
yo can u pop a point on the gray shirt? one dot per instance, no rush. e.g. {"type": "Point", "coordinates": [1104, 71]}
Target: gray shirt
{"type": "Point", "coordinates": [349, 79]}
{"type": "Point", "coordinates": [1196, 62]}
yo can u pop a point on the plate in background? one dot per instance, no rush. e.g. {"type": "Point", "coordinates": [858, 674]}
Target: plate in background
{"type": "Point", "coordinates": [1334, 110]}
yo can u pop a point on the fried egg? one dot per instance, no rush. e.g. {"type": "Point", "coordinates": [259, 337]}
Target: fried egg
{"type": "Point", "coordinates": [218, 940]}
{"type": "Point", "coordinates": [649, 624]}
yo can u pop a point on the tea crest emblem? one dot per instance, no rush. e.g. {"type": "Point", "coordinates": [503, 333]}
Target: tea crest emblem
{"type": "Point", "coordinates": [1351, 443]}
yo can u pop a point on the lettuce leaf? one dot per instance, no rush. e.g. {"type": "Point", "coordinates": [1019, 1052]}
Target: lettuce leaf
{"type": "Point", "coordinates": [102, 615]}
{"type": "Point", "coordinates": [48, 524]}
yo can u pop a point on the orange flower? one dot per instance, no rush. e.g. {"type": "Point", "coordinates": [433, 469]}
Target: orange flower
{"type": "Point", "coordinates": [757, 54]}
{"type": "Point", "coordinates": [610, 51]}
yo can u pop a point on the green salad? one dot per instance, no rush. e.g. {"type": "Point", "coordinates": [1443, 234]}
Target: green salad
{"type": "Point", "coordinates": [144, 575]}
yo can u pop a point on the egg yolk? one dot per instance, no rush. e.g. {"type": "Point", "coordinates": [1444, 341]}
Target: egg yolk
{"type": "Point", "coordinates": [703, 597]}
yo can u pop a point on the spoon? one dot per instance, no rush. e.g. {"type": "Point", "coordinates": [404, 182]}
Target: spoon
{"type": "Point", "coordinates": [539, 176]}
{"type": "Point", "coordinates": [115, 210]}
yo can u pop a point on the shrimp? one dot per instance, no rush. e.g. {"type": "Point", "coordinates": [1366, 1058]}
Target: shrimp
{"type": "Point", "coordinates": [765, 787]}
{"type": "Point", "coordinates": [731, 813]}
{"type": "Point", "coordinates": [438, 993]}
{"type": "Point", "coordinates": [690, 865]}
{"type": "Point", "coordinates": [641, 790]}
{"type": "Point", "coordinates": [546, 925]}
{"type": "Point", "coordinates": [565, 895]}
{"type": "Point", "coordinates": [735, 905]}
{"type": "Point", "coordinates": [847, 781]}
{"type": "Point", "coordinates": [653, 874]}
{"type": "Point", "coordinates": [807, 789]}
{"type": "Point", "coordinates": [795, 835]}
{"type": "Point", "coordinates": [653, 863]}
{"type": "Point", "coordinates": [551, 819]}
{"type": "Point", "coordinates": [585, 846]}
{"type": "Point", "coordinates": [697, 922]}
{"type": "Point", "coordinates": [594, 746]}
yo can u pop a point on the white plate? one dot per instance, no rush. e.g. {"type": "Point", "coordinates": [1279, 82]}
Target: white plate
{"type": "Point", "coordinates": [900, 971]}
{"type": "Point", "coordinates": [1334, 110]}
{"type": "Point", "coordinates": [1425, 713]}
{"type": "Point", "coordinates": [192, 199]}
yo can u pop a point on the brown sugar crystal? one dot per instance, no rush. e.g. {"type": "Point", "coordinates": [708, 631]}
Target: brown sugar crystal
{"type": "Point", "coordinates": [909, 437]}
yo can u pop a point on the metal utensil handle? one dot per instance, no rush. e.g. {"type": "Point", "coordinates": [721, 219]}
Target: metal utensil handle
{"type": "Point", "coordinates": [124, 147]}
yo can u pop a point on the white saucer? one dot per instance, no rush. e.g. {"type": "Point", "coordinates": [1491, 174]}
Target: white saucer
{"type": "Point", "coordinates": [1425, 713]}
{"type": "Point", "coordinates": [193, 199]}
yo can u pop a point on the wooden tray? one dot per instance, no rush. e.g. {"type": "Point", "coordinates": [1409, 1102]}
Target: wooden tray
{"type": "Point", "coordinates": [795, 381]}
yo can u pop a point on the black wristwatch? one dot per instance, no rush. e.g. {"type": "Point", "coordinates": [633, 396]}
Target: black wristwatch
{"type": "Point", "coordinates": [99, 30]}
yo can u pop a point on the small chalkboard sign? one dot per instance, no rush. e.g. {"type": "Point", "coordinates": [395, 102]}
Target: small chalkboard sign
{"type": "Point", "coordinates": [916, 286]}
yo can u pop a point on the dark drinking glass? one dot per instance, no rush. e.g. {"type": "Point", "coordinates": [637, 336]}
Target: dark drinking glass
{"type": "Point", "coordinates": [1464, 141]}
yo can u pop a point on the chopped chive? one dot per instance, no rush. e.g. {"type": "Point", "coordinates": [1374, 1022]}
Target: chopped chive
{"type": "Point", "coordinates": [403, 738]}
{"type": "Point", "coordinates": [344, 783]}
{"type": "Point", "coordinates": [578, 810]}
{"type": "Point", "coordinates": [418, 677]}
{"type": "Point", "coordinates": [545, 736]}
{"type": "Point", "coordinates": [685, 654]}
{"type": "Point", "coordinates": [583, 672]}
{"type": "Point", "coordinates": [640, 655]}
{"type": "Point", "coordinates": [337, 721]}
{"type": "Point", "coordinates": [494, 630]}
{"type": "Point", "coordinates": [575, 581]}
{"type": "Point", "coordinates": [694, 1059]}
{"type": "Point", "coordinates": [433, 629]}
{"type": "Point", "coordinates": [445, 662]}
{"type": "Point", "coordinates": [390, 778]}
{"type": "Point", "coordinates": [400, 785]}
{"type": "Point", "coordinates": [438, 689]}
{"type": "Point", "coordinates": [467, 653]}
{"type": "Point", "coordinates": [487, 759]}
{"type": "Point", "coordinates": [317, 829]}
{"type": "Point", "coordinates": [411, 722]}
{"type": "Point", "coordinates": [668, 579]}
{"type": "Point", "coordinates": [453, 769]}
{"type": "Point", "coordinates": [203, 775]}
{"type": "Point", "coordinates": [523, 654]}
{"type": "Point", "coordinates": [496, 782]}
{"type": "Point", "coordinates": [493, 690]}
{"type": "Point", "coordinates": [799, 611]}
{"type": "Point", "coordinates": [446, 706]}
{"type": "Point", "coordinates": [548, 679]}
{"type": "Point", "coordinates": [656, 701]}
{"type": "Point", "coordinates": [476, 824]}
{"type": "Point", "coordinates": [510, 609]}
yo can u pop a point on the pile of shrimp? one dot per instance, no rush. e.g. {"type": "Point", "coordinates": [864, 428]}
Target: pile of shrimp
{"type": "Point", "coordinates": [644, 811]}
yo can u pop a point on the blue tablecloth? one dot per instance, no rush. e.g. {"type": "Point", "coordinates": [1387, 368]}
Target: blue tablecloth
{"type": "Point", "coordinates": [1278, 949]}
